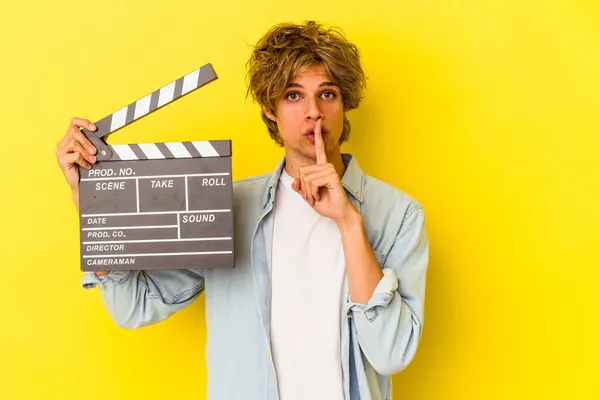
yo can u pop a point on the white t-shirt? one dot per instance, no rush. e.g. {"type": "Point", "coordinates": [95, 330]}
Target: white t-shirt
{"type": "Point", "coordinates": [308, 270]}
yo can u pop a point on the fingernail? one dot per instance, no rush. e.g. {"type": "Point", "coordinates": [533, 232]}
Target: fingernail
{"type": "Point", "coordinates": [91, 150]}
{"type": "Point", "coordinates": [92, 126]}
{"type": "Point", "coordinates": [93, 159]}
{"type": "Point", "coordinates": [89, 166]}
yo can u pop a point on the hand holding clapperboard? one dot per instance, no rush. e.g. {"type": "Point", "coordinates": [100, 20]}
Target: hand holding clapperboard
{"type": "Point", "coordinates": [154, 205]}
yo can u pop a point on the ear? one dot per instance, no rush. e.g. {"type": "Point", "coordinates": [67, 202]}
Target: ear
{"type": "Point", "coordinates": [269, 114]}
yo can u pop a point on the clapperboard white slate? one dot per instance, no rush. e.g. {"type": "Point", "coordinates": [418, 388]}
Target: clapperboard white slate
{"type": "Point", "coordinates": [156, 205]}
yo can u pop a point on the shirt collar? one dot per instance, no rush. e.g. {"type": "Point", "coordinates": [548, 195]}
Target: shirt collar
{"type": "Point", "coordinates": [353, 180]}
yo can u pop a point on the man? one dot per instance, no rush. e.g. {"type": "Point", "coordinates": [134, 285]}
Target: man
{"type": "Point", "coordinates": [326, 298]}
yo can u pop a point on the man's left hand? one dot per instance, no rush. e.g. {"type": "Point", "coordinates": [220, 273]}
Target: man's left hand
{"type": "Point", "coordinates": [320, 185]}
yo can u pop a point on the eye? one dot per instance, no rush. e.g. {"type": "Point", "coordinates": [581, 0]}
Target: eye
{"type": "Point", "coordinates": [328, 95]}
{"type": "Point", "coordinates": [292, 96]}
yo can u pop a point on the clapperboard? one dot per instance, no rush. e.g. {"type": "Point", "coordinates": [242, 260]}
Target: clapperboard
{"type": "Point", "coordinates": [156, 205]}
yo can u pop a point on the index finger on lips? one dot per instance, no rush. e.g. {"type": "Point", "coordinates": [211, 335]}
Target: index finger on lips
{"type": "Point", "coordinates": [319, 145]}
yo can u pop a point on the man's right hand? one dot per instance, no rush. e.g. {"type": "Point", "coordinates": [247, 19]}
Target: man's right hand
{"type": "Point", "coordinates": [75, 149]}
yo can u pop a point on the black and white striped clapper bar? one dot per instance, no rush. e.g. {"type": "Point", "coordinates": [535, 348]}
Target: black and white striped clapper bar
{"type": "Point", "coordinates": [156, 205]}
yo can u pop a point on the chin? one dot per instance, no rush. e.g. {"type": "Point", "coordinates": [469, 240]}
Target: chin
{"type": "Point", "coordinates": [310, 155]}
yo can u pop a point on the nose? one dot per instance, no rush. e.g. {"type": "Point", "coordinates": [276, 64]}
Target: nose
{"type": "Point", "coordinates": [313, 111]}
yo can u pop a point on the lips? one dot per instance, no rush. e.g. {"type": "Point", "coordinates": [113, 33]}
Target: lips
{"type": "Point", "coordinates": [311, 136]}
{"type": "Point", "coordinates": [311, 131]}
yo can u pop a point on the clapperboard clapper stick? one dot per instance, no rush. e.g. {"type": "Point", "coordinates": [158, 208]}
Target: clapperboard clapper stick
{"type": "Point", "coordinates": [156, 205]}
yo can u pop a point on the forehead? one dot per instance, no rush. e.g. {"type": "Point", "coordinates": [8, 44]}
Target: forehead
{"type": "Point", "coordinates": [315, 74]}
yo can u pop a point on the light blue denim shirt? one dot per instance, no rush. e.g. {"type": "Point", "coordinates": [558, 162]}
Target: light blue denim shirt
{"type": "Point", "coordinates": [377, 339]}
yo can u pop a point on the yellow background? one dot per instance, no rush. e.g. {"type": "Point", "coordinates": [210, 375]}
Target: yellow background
{"type": "Point", "coordinates": [486, 111]}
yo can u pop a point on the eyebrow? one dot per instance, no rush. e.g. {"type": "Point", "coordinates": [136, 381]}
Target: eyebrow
{"type": "Point", "coordinates": [297, 85]}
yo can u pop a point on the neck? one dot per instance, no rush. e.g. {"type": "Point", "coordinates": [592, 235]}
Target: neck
{"type": "Point", "coordinates": [295, 161]}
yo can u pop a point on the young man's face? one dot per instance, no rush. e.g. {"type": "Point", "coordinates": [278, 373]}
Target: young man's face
{"type": "Point", "coordinates": [311, 96]}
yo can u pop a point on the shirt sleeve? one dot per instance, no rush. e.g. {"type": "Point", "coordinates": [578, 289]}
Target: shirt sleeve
{"type": "Point", "coordinates": [382, 295]}
{"type": "Point", "coordinates": [139, 298]}
{"type": "Point", "coordinates": [389, 326]}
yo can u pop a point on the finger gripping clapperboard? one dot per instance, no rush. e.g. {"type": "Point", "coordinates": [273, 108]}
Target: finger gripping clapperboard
{"type": "Point", "coordinates": [156, 205]}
